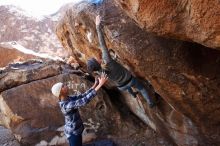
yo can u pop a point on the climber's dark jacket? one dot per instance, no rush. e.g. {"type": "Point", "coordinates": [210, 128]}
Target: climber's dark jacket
{"type": "Point", "coordinates": [116, 72]}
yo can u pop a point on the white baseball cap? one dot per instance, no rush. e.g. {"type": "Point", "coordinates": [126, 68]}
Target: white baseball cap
{"type": "Point", "coordinates": [56, 89]}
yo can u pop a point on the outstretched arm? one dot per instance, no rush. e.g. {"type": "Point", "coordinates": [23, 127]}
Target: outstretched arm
{"type": "Point", "coordinates": [74, 97]}
{"type": "Point", "coordinates": [105, 54]}
{"type": "Point", "coordinates": [87, 96]}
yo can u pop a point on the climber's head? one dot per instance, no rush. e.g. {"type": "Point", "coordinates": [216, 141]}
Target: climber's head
{"type": "Point", "coordinates": [60, 90]}
{"type": "Point", "coordinates": [93, 65]}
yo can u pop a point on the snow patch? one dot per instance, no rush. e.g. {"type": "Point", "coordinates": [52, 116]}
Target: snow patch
{"type": "Point", "coordinates": [29, 38]}
{"type": "Point", "coordinates": [3, 28]}
{"type": "Point", "coordinates": [19, 47]}
{"type": "Point", "coordinates": [49, 30]}
{"type": "Point", "coordinates": [19, 13]}
{"type": "Point", "coordinates": [24, 31]}
{"type": "Point", "coordinates": [23, 26]}
{"type": "Point", "coordinates": [56, 17]}
{"type": "Point", "coordinates": [36, 32]}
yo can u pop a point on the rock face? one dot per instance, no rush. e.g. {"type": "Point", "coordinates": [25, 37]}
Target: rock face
{"type": "Point", "coordinates": [190, 20]}
{"type": "Point", "coordinates": [22, 111]}
{"type": "Point", "coordinates": [185, 75]}
{"type": "Point", "coordinates": [7, 138]}
{"type": "Point", "coordinates": [18, 74]}
{"type": "Point", "coordinates": [28, 108]}
{"type": "Point", "coordinates": [32, 33]}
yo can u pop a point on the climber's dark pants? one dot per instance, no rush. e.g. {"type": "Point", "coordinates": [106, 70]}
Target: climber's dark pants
{"type": "Point", "coordinates": [75, 140]}
{"type": "Point", "coordinates": [135, 83]}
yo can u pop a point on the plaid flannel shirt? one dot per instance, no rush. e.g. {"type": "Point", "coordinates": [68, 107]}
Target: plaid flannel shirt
{"type": "Point", "coordinates": [73, 122]}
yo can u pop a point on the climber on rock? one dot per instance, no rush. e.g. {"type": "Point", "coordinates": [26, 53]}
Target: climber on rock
{"type": "Point", "coordinates": [69, 106]}
{"type": "Point", "coordinates": [116, 72]}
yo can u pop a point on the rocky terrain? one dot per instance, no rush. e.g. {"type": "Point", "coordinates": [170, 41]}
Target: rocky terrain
{"type": "Point", "coordinates": [32, 113]}
{"type": "Point", "coordinates": [32, 33]}
{"type": "Point", "coordinates": [173, 47]}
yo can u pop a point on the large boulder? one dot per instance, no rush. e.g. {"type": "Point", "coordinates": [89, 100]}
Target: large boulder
{"type": "Point", "coordinates": [185, 75]}
{"type": "Point", "coordinates": [21, 73]}
{"type": "Point", "coordinates": [190, 20]}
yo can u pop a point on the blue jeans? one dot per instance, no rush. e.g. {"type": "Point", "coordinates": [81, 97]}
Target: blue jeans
{"type": "Point", "coordinates": [75, 140]}
{"type": "Point", "coordinates": [139, 86]}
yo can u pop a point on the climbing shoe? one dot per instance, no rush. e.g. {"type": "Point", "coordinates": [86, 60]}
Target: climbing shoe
{"type": "Point", "coordinates": [135, 94]}
{"type": "Point", "coordinates": [151, 105]}
{"type": "Point", "coordinates": [157, 97]}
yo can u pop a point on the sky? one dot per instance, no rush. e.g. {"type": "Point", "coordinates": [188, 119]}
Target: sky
{"type": "Point", "coordinates": [38, 8]}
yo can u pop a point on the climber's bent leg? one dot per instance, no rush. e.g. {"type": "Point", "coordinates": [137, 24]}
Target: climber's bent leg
{"type": "Point", "coordinates": [127, 87]}
{"type": "Point", "coordinates": [134, 94]}
{"type": "Point", "coordinates": [140, 87]}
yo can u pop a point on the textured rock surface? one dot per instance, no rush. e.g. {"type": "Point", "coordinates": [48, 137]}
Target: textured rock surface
{"type": "Point", "coordinates": [186, 75]}
{"type": "Point", "coordinates": [190, 20]}
{"type": "Point", "coordinates": [28, 108]}
{"type": "Point", "coordinates": [18, 74]}
{"type": "Point", "coordinates": [32, 33]}
{"type": "Point", "coordinates": [7, 138]}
